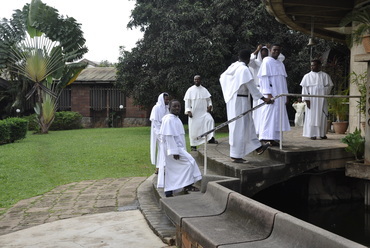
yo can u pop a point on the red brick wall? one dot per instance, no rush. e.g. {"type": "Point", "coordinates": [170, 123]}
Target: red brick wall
{"type": "Point", "coordinates": [134, 111]}
{"type": "Point", "coordinates": [80, 99]}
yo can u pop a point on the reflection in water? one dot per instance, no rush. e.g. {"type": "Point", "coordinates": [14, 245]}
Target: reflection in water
{"type": "Point", "coordinates": [346, 218]}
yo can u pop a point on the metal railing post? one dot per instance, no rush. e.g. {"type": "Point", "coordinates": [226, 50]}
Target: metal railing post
{"type": "Point", "coordinates": [205, 155]}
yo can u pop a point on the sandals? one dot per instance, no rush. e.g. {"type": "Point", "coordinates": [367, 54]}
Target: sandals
{"type": "Point", "coordinates": [263, 148]}
{"type": "Point", "coordinates": [190, 188]}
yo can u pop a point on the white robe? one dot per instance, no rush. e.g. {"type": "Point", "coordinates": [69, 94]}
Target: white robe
{"type": "Point", "coordinates": [238, 80]}
{"type": "Point", "coordinates": [255, 64]}
{"type": "Point", "coordinates": [272, 77]}
{"type": "Point", "coordinates": [197, 100]}
{"type": "Point", "coordinates": [316, 83]}
{"type": "Point", "coordinates": [300, 108]}
{"type": "Point", "coordinates": [177, 173]}
{"type": "Point", "coordinates": [158, 111]}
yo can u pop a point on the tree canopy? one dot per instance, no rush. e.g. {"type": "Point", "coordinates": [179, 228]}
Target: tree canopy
{"type": "Point", "coordinates": [38, 50]}
{"type": "Point", "coordinates": [185, 38]}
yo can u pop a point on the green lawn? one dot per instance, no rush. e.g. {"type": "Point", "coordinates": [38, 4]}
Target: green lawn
{"type": "Point", "coordinates": [40, 163]}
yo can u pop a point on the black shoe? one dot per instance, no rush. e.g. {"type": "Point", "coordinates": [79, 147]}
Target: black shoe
{"type": "Point", "coordinates": [193, 148]}
{"type": "Point", "coordinates": [324, 137]}
{"type": "Point", "coordinates": [190, 188]}
{"type": "Point", "coordinates": [169, 193]}
{"type": "Point", "coordinates": [263, 148]}
{"type": "Point", "coordinates": [212, 141]}
{"type": "Point", "coordinates": [313, 138]}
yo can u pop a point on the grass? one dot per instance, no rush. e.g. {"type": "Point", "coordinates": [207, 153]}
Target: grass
{"type": "Point", "coordinates": [40, 163]}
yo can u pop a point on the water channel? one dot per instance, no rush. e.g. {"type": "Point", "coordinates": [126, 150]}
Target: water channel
{"type": "Point", "coordinates": [326, 199]}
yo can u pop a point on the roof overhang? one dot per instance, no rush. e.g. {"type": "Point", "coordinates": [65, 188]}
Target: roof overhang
{"type": "Point", "coordinates": [321, 17]}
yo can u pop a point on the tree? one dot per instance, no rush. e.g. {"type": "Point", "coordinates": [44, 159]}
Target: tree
{"type": "Point", "coordinates": [184, 38]}
{"type": "Point", "coordinates": [38, 49]}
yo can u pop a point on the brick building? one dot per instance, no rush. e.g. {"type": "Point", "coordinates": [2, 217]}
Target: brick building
{"type": "Point", "coordinates": [94, 96]}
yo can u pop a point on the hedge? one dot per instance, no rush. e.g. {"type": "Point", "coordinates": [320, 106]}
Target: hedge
{"type": "Point", "coordinates": [64, 120]}
{"type": "Point", "coordinates": [12, 129]}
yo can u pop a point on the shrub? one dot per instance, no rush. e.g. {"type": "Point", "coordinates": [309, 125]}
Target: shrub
{"type": "Point", "coordinates": [356, 144]}
{"type": "Point", "coordinates": [4, 132]}
{"type": "Point", "coordinates": [66, 120]}
{"type": "Point", "coordinates": [32, 123]}
{"type": "Point", "coordinates": [17, 128]}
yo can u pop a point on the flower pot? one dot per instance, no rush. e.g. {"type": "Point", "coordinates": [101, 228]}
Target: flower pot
{"type": "Point", "coordinates": [340, 127]}
{"type": "Point", "coordinates": [366, 43]}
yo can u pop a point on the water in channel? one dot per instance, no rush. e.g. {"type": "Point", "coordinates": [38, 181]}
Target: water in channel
{"type": "Point", "coordinates": [329, 200]}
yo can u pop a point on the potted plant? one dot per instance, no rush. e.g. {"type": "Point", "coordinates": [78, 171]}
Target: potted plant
{"type": "Point", "coordinates": [360, 80]}
{"type": "Point", "coordinates": [361, 30]}
{"type": "Point", "coordinates": [339, 107]}
{"type": "Point", "coordinates": [356, 144]}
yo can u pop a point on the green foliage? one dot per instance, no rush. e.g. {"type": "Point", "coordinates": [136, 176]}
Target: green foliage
{"type": "Point", "coordinates": [361, 18]}
{"type": "Point", "coordinates": [17, 128]}
{"type": "Point", "coordinates": [66, 120]}
{"type": "Point", "coordinates": [360, 80]}
{"type": "Point", "coordinates": [37, 49]}
{"type": "Point", "coordinates": [4, 132]}
{"type": "Point", "coordinates": [12, 129]}
{"type": "Point", "coordinates": [185, 38]}
{"type": "Point", "coordinates": [356, 144]}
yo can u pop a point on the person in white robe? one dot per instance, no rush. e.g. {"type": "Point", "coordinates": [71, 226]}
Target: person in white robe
{"type": "Point", "coordinates": [316, 82]}
{"type": "Point", "coordinates": [198, 106]}
{"type": "Point", "coordinates": [273, 82]}
{"type": "Point", "coordinates": [180, 169]}
{"type": "Point", "coordinates": [255, 63]}
{"type": "Point", "coordinates": [159, 110]}
{"type": "Point", "coordinates": [300, 108]}
{"type": "Point", "coordinates": [237, 84]}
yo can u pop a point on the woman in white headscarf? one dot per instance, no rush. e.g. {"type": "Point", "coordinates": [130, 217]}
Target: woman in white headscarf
{"type": "Point", "coordinates": [159, 110]}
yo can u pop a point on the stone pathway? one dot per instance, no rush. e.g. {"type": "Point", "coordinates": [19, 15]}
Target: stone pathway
{"type": "Point", "coordinates": [72, 200]}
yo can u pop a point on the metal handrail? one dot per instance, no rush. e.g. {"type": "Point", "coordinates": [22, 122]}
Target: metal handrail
{"type": "Point", "coordinates": [280, 121]}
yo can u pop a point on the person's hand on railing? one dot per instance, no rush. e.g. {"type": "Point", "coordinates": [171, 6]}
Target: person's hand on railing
{"type": "Point", "coordinates": [268, 100]}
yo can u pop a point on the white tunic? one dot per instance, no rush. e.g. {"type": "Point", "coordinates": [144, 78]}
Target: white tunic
{"type": "Point", "coordinates": [316, 83]}
{"type": "Point", "coordinates": [272, 77]}
{"type": "Point", "coordinates": [158, 111]}
{"type": "Point", "coordinates": [177, 173]}
{"type": "Point", "coordinates": [255, 64]}
{"type": "Point", "coordinates": [197, 100]}
{"type": "Point", "coordinates": [300, 108]}
{"type": "Point", "coordinates": [238, 80]}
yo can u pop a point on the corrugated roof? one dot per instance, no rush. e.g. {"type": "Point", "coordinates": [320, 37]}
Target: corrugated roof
{"type": "Point", "coordinates": [101, 74]}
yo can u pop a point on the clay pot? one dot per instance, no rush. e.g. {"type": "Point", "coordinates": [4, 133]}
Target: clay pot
{"type": "Point", "coordinates": [366, 43]}
{"type": "Point", "coordinates": [340, 127]}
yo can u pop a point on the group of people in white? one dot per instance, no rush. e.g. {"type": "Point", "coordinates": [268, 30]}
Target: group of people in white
{"type": "Point", "coordinates": [260, 75]}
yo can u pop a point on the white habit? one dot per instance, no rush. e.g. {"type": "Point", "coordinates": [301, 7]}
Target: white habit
{"type": "Point", "coordinates": [158, 111]}
{"type": "Point", "coordinates": [237, 83]}
{"type": "Point", "coordinates": [272, 77]}
{"type": "Point", "coordinates": [177, 173]}
{"type": "Point", "coordinates": [300, 108]}
{"type": "Point", "coordinates": [197, 99]}
{"type": "Point", "coordinates": [255, 64]}
{"type": "Point", "coordinates": [316, 83]}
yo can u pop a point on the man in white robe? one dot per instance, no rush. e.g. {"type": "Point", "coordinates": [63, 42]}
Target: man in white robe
{"type": "Point", "coordinates": [316, 82]}
{"type": "Point", "coordinates": [159, 110]}
{"type": "Point", "coordinates": [273, 82]}
{"type": "Point", "coordinates": [300, 108]}
{"type": "Point", "coordinates": [181, 170]}
{"type": "Point", "coordinates": [255, 63]}
{"type": "Point", "coordinates": [198, 106]}
{"type": "Point", "coordinates": [237, 83]}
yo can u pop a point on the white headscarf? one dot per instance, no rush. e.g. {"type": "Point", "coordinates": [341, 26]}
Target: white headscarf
{"type": "Point", "coordinates": [161, 108]}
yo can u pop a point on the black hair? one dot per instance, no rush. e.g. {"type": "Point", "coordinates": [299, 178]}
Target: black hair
{"type": "Point", "coordinates": [244, 54]}
{"type": "Point", "coordinates": [173, 100]}
{"type": "Point", "coordinates": [318, 62]}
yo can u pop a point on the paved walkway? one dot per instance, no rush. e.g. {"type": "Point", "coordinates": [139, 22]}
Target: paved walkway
{"type": "Point", "coordinates": [91, 213]}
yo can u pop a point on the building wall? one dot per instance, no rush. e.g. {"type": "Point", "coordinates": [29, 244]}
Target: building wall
{"type": "Point", "coordinates": [359, 68]}
{"type": "Point", "coordinates": [131, 115]}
